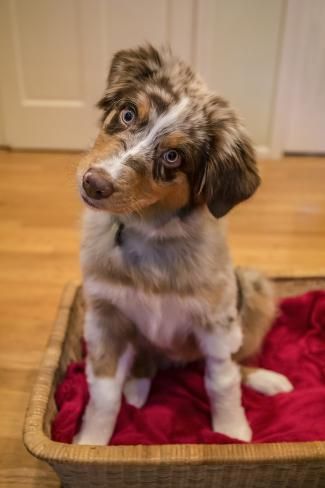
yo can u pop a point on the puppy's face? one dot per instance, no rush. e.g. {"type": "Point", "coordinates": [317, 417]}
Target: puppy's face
{"type": "Point", "coordinates": [165, 142]}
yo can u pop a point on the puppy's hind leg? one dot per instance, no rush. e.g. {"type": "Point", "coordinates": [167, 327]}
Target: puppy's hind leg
{"type": "Point", "coordinates": [257, 311]}
{"type": "Point", "coordinates": [265, 381]}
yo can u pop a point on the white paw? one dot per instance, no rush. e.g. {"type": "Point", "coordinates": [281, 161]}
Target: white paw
{"type": "Point", "coordinates": [84, 438]}
{"type": "Point", "coordinates": [92, 435]}
{"type": "Point", "coordinates": [268, 382]}
{"type": "Point", "coordinates": [236, 427]}
{"type": "Point", "coordinates": [96, 429]}
{"type": "Point", "coordinates": [136, 391]}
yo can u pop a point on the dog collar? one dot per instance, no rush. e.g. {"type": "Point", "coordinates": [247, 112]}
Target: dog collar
{"type": "Point", "coordinates": [118, 236]}
{"type": "Point", "coordinates": [240, 294]}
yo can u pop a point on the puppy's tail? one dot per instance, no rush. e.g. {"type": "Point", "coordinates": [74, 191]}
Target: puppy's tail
{"type": "Point", "coordinates": [257, 308]}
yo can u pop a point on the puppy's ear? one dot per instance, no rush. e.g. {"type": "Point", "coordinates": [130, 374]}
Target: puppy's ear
{"type": "Point", "coordinates": [128, 67]}
{"type": "Point", "coordinates": [134, 64]}
{"type": "Point", "coordinates": [230, 172]}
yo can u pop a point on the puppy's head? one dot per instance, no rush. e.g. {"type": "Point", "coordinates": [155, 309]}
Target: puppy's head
{"type": "Point", "coordinates": [165, 141]}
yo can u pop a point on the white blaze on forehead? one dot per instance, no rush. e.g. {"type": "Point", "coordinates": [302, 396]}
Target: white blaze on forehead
{"type": "Point", "coordinates": [162, 123]}
{"type": "Point", "coordinates": [114, 165]}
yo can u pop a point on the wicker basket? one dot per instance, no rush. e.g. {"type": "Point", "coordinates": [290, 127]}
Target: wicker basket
{"type": "Point", "coordinates": [252, 465]}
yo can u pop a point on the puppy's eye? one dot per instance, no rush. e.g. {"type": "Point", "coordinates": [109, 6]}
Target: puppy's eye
{"type": "Point", "coordinates": [172, 158]}
{"type": "Point", "coordinates": [127, 116]}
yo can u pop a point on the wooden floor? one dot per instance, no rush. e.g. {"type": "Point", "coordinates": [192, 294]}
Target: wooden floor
{"type": "Point", "coordinates": [281, 230]}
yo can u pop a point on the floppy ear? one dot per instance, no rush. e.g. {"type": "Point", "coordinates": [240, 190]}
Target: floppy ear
{"type": "Point", "coordinates": [230, 173]}
{"type": "Point", "coordinates": [129, 66]}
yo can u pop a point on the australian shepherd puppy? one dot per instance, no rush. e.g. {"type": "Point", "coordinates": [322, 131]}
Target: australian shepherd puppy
{"type": "Point", "coordinates": [170, 160]}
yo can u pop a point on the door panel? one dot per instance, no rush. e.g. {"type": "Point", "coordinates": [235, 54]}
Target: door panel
{"type": "Point", "coordinates": [55, 56]}
{"type": "Point", "coordinates": [48, 51]}
{"type": "Point", "coordinates": [43, 45]}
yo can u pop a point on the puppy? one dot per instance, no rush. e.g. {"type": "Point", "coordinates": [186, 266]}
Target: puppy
{"type": "Point", "coordinates": [170, 160]}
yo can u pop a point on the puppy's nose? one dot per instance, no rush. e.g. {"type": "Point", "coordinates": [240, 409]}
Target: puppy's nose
{"type": "Point", "coordinates": [96, 184]}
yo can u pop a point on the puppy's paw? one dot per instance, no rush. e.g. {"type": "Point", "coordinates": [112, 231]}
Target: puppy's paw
{"type": "Point", "coordinates": [136, 391]}
{"type": "Point", "coordinates": [91, 438]}
{"type": "Point", "coordinates": [96, 429]}
{"type": "Point", "coordinates": [268, 382]}
{"type": "Point", "coordinates": [234, 426]}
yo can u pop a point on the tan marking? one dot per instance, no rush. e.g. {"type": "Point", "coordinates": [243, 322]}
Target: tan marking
{"type": "Point", "coordinates": [174, 140]}
{"type": "Point", "coordinates": [171, 196]}
{"type": "Point", "coordinates": [143, 106]}
{"type": "Point", "coordinates": [106, 365]}
{"type": "Point", "coordinates": [104, 147]}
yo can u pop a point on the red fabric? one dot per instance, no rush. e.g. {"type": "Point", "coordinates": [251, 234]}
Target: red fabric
{"type": "Point", "coordinates": [178, 410]}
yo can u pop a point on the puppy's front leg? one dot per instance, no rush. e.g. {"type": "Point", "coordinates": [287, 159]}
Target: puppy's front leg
{"type": "Point", "coordinates": [109, 360]}
{"type": "Point", "coordinates": [223, 382]}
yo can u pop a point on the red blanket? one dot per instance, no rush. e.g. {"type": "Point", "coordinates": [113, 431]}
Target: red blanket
{"type": "Point", "coordinates": [178, 409]}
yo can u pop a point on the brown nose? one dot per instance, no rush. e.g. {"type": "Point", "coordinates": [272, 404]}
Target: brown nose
{"type": "Point", "coordinates": [96, 184]}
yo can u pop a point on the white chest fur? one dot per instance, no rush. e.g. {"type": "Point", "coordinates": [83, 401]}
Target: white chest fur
{"type": "Point", "coordinates": [160, 318]}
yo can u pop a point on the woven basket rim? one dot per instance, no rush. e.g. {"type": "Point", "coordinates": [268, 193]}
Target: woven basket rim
{"type": "Point", "coordinates": [40, 445]}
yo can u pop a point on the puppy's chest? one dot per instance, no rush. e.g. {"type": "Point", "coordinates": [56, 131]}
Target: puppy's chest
{"type": "Point", "coordinates": [163, 319]}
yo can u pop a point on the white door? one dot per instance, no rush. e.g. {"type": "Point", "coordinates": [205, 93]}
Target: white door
{"type": "Point", "coordinates": [55, 55]}
{"type": "Point", "coordinates": [238, 42]}
{"type": "Point", "coordinates": [299, 122]}
{"type": "Point", "coordinates": [306, 117]}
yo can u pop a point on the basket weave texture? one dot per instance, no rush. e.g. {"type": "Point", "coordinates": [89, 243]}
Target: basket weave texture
{"type": "Point", "coordinates": [296, 465]}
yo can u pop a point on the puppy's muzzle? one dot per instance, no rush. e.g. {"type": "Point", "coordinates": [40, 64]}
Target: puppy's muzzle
{"type": "Point", "coordinates": [97, 185]}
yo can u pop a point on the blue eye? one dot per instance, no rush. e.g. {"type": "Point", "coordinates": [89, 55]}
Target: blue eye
{"type": "Point", "coordinates": [127, 115]}
{"type": "Point", "coordinates": [172, 158]}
